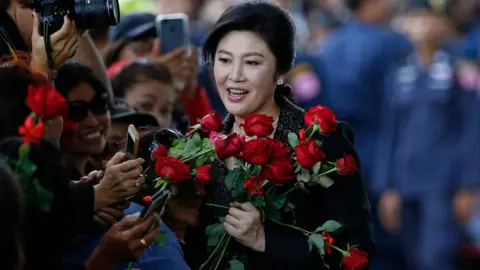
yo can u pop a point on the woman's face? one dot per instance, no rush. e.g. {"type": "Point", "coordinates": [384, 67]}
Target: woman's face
{"type": "Point", "coordinates": [153, 97]}
{"type": "Point", "coordinates": [91, 134]}
{"type": "Point", "coordinates": [245, 73]}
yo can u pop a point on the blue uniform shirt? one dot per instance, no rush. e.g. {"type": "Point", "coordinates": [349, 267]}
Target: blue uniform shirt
{"type": "Point", "coordinates": [357, 58]}
{"type": "Point", "coordinates": [430, 130]}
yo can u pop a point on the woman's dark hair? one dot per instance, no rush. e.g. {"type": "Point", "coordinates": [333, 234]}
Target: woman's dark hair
{"type": "Point", "coordinates": [137, 71]}
{"type": "Point", "coordinates": [266, 19]}
{"type": "Point", "coordinates": [15, 77]}
{"type": "Point", "coordinates": [12, 209]}
{"type": "Point", "coordinates": [72, 74]}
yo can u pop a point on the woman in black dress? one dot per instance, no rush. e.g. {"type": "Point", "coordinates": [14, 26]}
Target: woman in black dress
{"type": "Point", "coordinates": [251, 48]}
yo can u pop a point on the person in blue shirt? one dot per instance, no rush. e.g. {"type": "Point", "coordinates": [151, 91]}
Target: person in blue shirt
{"type": "Point", "coordinates": [357, 58]}
{"type": "Point", "coordinates": [427, 147]}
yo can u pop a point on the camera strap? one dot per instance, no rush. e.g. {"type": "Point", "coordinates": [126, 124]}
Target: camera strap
{"type": "Point", "coordinates": [48, 50]}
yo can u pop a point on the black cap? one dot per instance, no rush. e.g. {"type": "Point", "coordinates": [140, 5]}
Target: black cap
{"type": "Point", "coordinates": [133, 26]}
{"type": "Point", "coordinates": [123, 113]}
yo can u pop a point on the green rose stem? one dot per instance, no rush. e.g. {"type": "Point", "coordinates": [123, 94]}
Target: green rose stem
{"type": "Point", "coordinates": [290, 190]}
{"type": "Point", "coordinates": [197, 155]}
{"type": "Point", "coordinates": [291, 226]}
{"type": "Point", "coordinates": [130, 265]}
{"type": "Point", "coordinates": [329, 171]}
{"type": "Point", "coordinates": [218, 206]}
{"type": "Point", "coordinates": [343, 252]}
{"type": "Point", "coordinates": [223, 252]}
{"type": "Point", "coordinates": [214, 251]}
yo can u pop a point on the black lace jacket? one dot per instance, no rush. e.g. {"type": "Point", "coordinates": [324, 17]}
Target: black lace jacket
{"type": "Point", "coordinates": [345, 201]}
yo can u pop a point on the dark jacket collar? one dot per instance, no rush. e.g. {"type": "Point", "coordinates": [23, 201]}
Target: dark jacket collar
{"type": "Point", "coordinates": [290, 120]}
{"type": "Point", "coordinates": [10, 35]}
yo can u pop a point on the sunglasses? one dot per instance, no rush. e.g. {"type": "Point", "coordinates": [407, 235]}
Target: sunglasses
{"type": "Point", "coordinates": [78, 109]}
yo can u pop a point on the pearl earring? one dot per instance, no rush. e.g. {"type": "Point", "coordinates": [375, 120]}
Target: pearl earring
{"type": "Point", "coordinates": [280, 81]}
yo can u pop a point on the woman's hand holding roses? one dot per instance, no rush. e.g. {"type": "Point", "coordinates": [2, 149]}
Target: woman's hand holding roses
{"type": "Point", "coordinates": [244, 223]}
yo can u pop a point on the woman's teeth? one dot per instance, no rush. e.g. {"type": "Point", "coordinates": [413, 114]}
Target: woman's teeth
{"type": "Point", "coordinates": [93, 135]}
{"type": "Point", "coordinates": [235, 92]}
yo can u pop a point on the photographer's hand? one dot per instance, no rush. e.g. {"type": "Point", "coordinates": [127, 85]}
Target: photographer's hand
{"type": "Point", "coordinates": [64, 44]}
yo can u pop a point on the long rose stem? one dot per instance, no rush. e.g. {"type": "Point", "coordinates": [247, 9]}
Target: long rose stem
{"type": "Point", "coordinates": [291, 226]}
{"type": "Point", "coordinates": [290, 190]}
{"type": "Point", "coordinates": [344, 253]}
{"type": "Point", "coordinates": [223, 252]}
{"type": "Point", "coordinates": [213, 252]}
{"type": "Point", "coordinates": [197, 155]}
{"type": "Point", "coordinates": [218, 206]}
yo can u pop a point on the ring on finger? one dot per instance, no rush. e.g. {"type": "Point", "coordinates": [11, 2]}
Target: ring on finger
{"type": "Point", "coordinates": [137, 184]}
{"type": "Point", "coordinates": [144, 243]}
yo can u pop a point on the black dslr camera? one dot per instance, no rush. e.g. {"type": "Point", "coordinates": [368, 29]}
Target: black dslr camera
{"type": "Point", "coordinates": [86, 13]}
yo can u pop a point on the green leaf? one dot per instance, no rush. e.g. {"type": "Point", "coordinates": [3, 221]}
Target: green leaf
{"type": "Point", "coordinates": [259, 202]}
{"type": "Point", "coordinates": [177, 148]}
{"type": "Point", "coordinates": [160, 181]}
{"type": "Point", "coordinates": [238, 162]}
{"type": "Point", "coordinates": [276, 200]}
{"type": "Point", "coordinates": [319, 143]}
{"type": "Point", "coordinates": [201, 160]}
{"type": "Point", "coordinates": [273, 213]}
{"type": "Point", "coordinates": [316, 167]}
{"type": "Point", "coordinates": [254, 170]}
{"type": "Point", "coordinates": [214, 233]}
{"type": "Point", "coordinates": [293, 139]}
{"type": "Point", "coordinates": [40, 196]}
{"type": "Point", "coordinates": [298, 167]}
{"type": "Point", "coordinates": [318, 242]}
{"type": "Point", "coordinates": [206, 144]}
{"type": "Point", "coordinates": [161, 238]}
{"type": "Point", "coordinates": [235, 265]}
{"type": "Point", "coordinates": [194, 144]}
{"type": "Point", "coordinates": [331, 226]}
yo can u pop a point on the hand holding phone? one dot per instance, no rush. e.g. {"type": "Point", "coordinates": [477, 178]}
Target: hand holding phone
{"type": "Point", "coordinates": [133, 143]}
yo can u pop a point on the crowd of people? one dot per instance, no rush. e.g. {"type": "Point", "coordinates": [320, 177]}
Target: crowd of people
{"type": "Point", "coordinates": [401, 77]}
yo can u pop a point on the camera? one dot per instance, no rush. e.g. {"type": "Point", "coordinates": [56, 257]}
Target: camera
{"type": "Point", "coordinates": [86, 13]}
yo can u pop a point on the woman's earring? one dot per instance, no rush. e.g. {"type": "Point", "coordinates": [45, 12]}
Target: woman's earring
{"type": "Point", "coordinates": [280, 81]}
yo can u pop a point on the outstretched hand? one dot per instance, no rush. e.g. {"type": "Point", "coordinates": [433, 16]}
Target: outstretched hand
{"type": "Point", "coordinates": [244, 223]}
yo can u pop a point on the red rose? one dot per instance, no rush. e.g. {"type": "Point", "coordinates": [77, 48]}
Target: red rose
{"type": "Point", "coordinates": [329, 240]}
{"type": "Point", "coordinates": [323, 117]}
{"type": "Point", "coordinates": [302, 135]}
{"type": "Point", "coordinates": [32, 132]}
{"type": "Point", "coordinates": [203, 174]}
{"type": "Point", "coordinates": [278, 173]}
{"type": "Point", "coordinates": [46, 101]}
{"type": "Point", "coordinates": [256, 151]}
{"type": "Point", "coordinates": [346, 165]}
{"type": "Point", "coordinates": [356, 261]}
{"type": "Point", "coordinates": [228, 145]}
{"type": "Point", "coordinates": [254, 186]}
{"type": "Point", "coordinates": [258, 125]}
{"type": "Point", "coordinates": [211, 122]}
{"type": "Point", "coordinates": [161, 151]}
{"type": "Point", "coordinates": [173, 168]}
{"type": "Point", "coordinates": [308, 154]}
{"type": "Point", "coordinates": [280, 152]}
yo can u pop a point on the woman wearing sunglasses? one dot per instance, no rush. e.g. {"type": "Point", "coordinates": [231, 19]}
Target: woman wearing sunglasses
{"type": "Point", "coordinates": [89, 108]}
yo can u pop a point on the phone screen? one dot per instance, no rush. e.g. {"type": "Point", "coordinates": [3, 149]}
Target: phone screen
{"type": "Point", "coordinates": [130, 147]}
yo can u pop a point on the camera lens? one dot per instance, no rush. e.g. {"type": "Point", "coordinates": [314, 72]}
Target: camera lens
{"type": "Point", "coordinates": [96, 13]}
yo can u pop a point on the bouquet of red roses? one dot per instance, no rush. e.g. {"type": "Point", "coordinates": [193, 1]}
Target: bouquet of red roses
{"type": "Point", "coordinates": [262, 164]}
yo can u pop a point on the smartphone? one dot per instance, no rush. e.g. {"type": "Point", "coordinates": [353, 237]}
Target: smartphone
{"type": "Point", "coordinates": [133, 142]}
{"type": "Point", "coordinates": [172, 30]}
{"type": "Point", "coordinates": [157, 204]}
